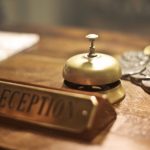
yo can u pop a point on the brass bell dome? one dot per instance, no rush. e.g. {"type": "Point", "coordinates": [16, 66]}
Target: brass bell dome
{"type": "Point", "coordinates": [93, 69]}
{"type": "Point", "coordinates": [99, 70]}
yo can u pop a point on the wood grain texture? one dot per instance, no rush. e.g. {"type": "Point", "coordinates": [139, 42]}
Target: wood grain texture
{"type": "Point", "coordinates": [42, 65]}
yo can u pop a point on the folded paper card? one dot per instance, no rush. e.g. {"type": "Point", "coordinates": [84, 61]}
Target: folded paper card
{"type": "Point", "coordinates": [12, 43]}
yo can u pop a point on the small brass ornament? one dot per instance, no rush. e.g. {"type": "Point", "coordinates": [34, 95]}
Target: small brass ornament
{"type": "Point", "coordinates": [94, 72]}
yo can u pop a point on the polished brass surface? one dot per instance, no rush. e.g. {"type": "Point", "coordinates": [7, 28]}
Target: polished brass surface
{"type": "Point", "coordinates": [99, 70]}
{"type": "Point", "coordinates": [57, 109]}
{"type": "Point", "coordinates": [115, 94]}
{"type": "Point", "coordinates": [147, 50]}
{"type": "Point", "coordinates": [92, 68]}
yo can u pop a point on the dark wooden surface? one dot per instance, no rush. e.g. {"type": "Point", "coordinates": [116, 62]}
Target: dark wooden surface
{"type": "Point", "coordinates": [42, 65]}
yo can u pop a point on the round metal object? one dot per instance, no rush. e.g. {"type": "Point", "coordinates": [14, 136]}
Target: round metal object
{"type": "Point", "coordinates": [99, 70]}
{"type": "Point", "coordinates": [147, 50]}
{"type": "Point", "coordinates": [115, 94]}
{"type": "Point", "coordinates": [92, 68]}
{"type": "Point", "coordinates": [94, 72]}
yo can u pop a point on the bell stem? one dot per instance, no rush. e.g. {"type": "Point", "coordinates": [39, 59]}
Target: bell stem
{"type": "Point", "coordinates": [91, 49]}
{"type": "Point", "coordinates": [92, 38]}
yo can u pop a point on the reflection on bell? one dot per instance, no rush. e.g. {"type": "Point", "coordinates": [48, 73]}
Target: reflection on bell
{"type": "Point", "coordinates": [94, 72]}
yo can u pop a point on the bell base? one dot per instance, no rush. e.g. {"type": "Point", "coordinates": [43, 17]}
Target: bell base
{"type": "Point", "coordinates": [114, 91]}
{"type": "Point", "coordinates": [115, 95]}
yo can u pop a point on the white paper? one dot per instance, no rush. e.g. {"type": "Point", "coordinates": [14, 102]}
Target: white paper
{"type": "Point", "coordinates": [12, 43]}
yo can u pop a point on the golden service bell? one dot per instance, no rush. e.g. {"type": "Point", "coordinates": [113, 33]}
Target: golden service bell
{"type": "Point", "coordinates": [94, 72]}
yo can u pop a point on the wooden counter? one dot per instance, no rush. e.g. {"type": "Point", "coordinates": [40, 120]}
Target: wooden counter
{"type": "Point", "coordinates": [42, 65]}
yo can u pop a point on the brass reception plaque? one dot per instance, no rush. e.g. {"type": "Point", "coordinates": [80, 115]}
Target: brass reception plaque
{"type": "Point", "coordinates": [48, 107]}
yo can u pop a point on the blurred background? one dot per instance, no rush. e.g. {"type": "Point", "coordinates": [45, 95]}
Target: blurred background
{"type": "Point", "coordinates": [110, 14]}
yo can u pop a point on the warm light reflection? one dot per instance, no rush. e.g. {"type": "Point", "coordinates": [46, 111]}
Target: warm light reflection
{"type": "Point", "coordinates": [102, 63]}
